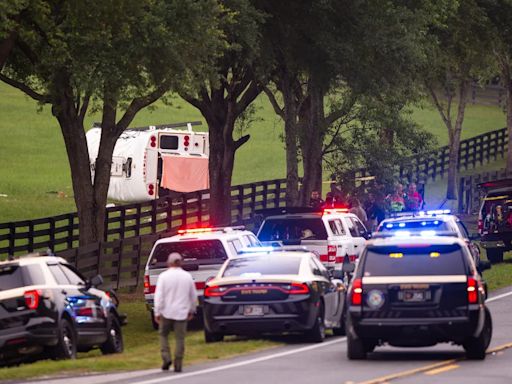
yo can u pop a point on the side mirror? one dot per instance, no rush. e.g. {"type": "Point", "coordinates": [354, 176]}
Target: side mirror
{"type": "Point", "coordinates": [367, 235]}
{"type": "Point", "coordinates": [348, 267]}
{"type": "Point", "coordinates": [484, 265]}
{"type": "Point", "coordinates": [337, 274]}
{"type": "Point", "coordinates": [95, 282]}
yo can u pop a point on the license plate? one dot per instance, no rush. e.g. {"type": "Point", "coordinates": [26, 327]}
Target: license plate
{"type": "Point", "coordinates": [414, 296]}
{"type": "Point", "coordinates": [253, 310]}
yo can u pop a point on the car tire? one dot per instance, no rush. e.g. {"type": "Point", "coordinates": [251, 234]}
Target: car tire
{"type": "Point", "coordinates": [317, 333]}
{"type": "Point", "coordinates": [356, 348]}
{"type": "Point", "coordinates": [212, 337]}
{"type": "Point", "coordinates": [66, 344]}
{"type": "Point", "coordinates": [475, 347]}
{"type": "Point", "coordinates": [114, 343]}
{"type": "Point", "coordinates": [495, 256]}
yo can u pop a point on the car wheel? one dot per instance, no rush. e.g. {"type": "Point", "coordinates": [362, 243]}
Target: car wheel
{"type": "Point", "coordinates": [495, 256]}
{"type": "Point", "coordinates": [114, 343]}
{"type": "Point", "coordinates": [356, 349]}
{"type": "Point", "coordinates": [476, 346]}
{"type": "Point", "coordinates": [212, 337]}
{"type": "Point", "coordinates": [66, 343]}
{"type": "Point", "coordinates": [317, 333]}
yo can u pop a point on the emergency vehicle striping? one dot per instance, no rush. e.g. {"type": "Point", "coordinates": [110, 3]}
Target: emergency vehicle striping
{"type": "Point", "coordinates": [414, 279]}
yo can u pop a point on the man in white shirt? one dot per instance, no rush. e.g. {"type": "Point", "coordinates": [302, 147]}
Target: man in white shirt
{"type": "Point", "coordinates": [175, 304]}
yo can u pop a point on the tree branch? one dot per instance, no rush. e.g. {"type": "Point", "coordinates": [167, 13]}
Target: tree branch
{"type": "Point", "coordinates": [248, 97]}
{"type": "Point", "coordinates": [25, 89]}
{"type": "Point", "coordinates": [241, 141]}
{"type": "Point", "coordinates": [273, 101]}
{"type": "Point", "coordinates": [438, 105]}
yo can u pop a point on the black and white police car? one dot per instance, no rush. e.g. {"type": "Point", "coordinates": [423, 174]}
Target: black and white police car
{"type": "Point", "coordinates": [273, 291]}
{"type": "Point", "coordinates": [48, 309]}
{"type": "Point", "coordinates": [417, 291]}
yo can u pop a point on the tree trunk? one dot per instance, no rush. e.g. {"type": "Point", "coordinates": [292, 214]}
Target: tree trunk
{"type": "Point", "coordinates": [509, 123]}
{"type": "Point", "coordinates": [454, 143]}
{"type": "Point", "coordinates": [6, 46]}
{"type": "Point", "coordinates": [222, 155]}
{"type": "Point", "coordinates": [312, 142]}
{"type": "Point", "coordinates": [291, 137]}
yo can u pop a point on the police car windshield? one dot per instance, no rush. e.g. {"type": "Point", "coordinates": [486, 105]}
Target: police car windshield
{"type": "Point", "coordinates": [293, 229]}
{"type": "Point", "coordinates": [262, 265]}
{"type": "Point", "coordinates": [415, 261]}
{"type": "Point", "coordinates": [415, 225]}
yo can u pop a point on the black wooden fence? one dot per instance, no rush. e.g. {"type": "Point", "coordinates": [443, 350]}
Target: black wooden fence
{"type": "Point", "coordinates": [165, 215]}
{"type": "Point", "coordinates": [469, 194]}
{"type": "Point", "coordinates": [473, 152]}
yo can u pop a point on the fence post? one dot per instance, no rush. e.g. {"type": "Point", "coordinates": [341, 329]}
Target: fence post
{"type": "Point", "coordinates": [265, 194]}
{"type": "Point", "coordinates": [51, 242]}
{"type": "Point", "coordinates": [31, 236]}
{"type": "Point", "coordinates": [199, 209]}
{"type": "Point", "coordinates": [461, 194]}
{"type": "Point", "coordinates": [154, 207]}
{"type": "Point", "coordinates": [71, 219]}
{"type": "Point", "coordinates": [122, 220]}
{"type": "Point", "coordinates": [168, 201]}
{"type": "Point", "coordinates": [184, 210]}
{"type": "Point", "coordinates": [240, 209]}
{"type": "Point", "coordinates": [278, 194]}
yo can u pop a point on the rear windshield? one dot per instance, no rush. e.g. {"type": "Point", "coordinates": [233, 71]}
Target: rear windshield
{"type": "Point", "coordinates": [415, 226]}
{"type": "Point", "coordinates": [15, 276]}
{"type": "Point", "coordinates": [414, 261]}
{"type": "Point", "coordinates": [192, 252]}
{"type": "Point", "coordinates": [293, 229]}
{"type": "Point", "coordinates": [262, 265]}
{"type": "Point", "coordinates": [497, 212]}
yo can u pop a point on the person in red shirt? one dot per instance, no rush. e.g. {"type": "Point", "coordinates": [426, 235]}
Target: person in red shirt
{"type": "Point", "coordinates": [413, 201]}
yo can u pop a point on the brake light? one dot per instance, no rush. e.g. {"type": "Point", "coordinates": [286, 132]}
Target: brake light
{"type": "Point", "coordinates": [472, 290]}
{"type": "Point", "coordinates": [32, 298]}
{"type": "Point", "coordinates": [85, 312]}
{"type": "Point", "coordinates": [148, 288]}
{"type": "Point", "coordinates": [151, 189]}
{"type": "Point", "coordinates": [357, 292]}
{"type": "Point", "coordinates": [331, 252]}
{"type": "Point", "coordinates": [298, 289]}
{"type": "Point", "coordinates": [200, 285]}
{"type": "Point", "coordinates": [186, 141]}
{"type": "Point", "coordinates": [153, 141]}
{"type": "Point", "coordinates": [214, 291]}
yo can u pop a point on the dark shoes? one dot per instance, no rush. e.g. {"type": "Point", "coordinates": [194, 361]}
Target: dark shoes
{"type": "Point", "coordinates": [166, 365]}
{"type": "Point", "coordinates": [177, 366]}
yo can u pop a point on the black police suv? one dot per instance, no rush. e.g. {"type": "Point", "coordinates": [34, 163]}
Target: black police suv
{"type": "Point", "coordinates": [415, 292]}
{"type": "Point", "coordinates": [48, 309]}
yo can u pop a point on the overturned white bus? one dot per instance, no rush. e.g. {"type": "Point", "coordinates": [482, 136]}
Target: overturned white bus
{"type": "Point", "coordinates": [148, 162]}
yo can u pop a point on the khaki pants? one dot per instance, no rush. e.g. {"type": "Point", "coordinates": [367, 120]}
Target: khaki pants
{"type": "Point", "coordinates": [180, 330]}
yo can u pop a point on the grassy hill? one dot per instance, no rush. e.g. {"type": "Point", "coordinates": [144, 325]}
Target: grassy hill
{"type": "Point", "coordinates": [34, 166]}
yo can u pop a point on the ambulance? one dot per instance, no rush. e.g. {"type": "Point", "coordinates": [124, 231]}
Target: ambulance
{"type": "Point", "coordinates": [149, 162]}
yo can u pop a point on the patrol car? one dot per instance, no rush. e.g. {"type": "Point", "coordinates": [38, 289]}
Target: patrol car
{"type": "Point", "coordinates": [203, 251]}
{"type": "Point", "coordinates": [333, 234]}
{"type": "Point", "coordinates": [273, 291]}
{"type": "Point", "coordinates": [416, 292]}
{"type": "Point", "coordinates": [430, 222]}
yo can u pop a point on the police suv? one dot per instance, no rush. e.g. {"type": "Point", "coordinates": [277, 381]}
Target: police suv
{"type": "Point", "coordinates": [333, 234]}
{"type": "Point", "coordinates": [203, 251]}
{"type": "Point", "coordinates": [415, 292]}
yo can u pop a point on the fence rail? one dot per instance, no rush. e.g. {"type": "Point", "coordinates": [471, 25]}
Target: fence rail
{"type": "Point", "coordinates": [473, 152]}
{"type": "Point", "coordinates": [60, 233]}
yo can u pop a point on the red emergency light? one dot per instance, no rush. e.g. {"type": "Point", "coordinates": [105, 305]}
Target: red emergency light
{"type": "Point", "coordinates": [330, 211]}
{"type": "Point", "coordinates": [194, 230]}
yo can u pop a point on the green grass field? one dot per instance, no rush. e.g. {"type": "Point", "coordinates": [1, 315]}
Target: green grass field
{"type": "Point", "coordinates": [35, 169]}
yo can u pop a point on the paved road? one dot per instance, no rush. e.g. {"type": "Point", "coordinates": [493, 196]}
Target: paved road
{"type": "Point", "coordinates": [327, 363]}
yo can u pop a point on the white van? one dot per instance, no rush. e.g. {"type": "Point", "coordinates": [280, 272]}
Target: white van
{"type": "Point", "coordinates": [149, 161]}
{"type": "Point", "coordinates": [204, 250]}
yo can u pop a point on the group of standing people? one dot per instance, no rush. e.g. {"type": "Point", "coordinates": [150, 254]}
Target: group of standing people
{"type": "Point", "coordinates": [376, 206]}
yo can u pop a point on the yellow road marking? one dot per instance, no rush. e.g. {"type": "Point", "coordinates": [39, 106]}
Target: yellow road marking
{"type": "Point", "coordinates": [430, 367]}
{"type": "Point", "coordinates": [441, 370]}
